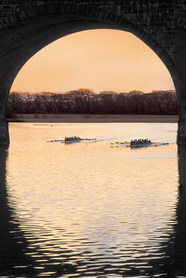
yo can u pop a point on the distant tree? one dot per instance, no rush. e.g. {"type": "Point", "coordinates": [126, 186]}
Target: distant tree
{"type": "Point", "coordinates": [15, 102]}
{"type": "Point", "coordinates": [86, 101]}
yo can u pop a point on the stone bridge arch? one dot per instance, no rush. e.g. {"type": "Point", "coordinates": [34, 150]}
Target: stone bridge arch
{"type": "Point", "coordinates": [29, 27]}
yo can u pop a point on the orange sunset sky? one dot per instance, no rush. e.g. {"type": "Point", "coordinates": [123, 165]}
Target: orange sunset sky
{"type": "Point", "coordinates": [95, 59]}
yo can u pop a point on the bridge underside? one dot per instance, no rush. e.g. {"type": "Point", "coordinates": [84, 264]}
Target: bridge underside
{"type": "Point", "coordinates": [21, 41]}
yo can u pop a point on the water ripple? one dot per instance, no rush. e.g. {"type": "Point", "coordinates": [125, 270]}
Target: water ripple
{"type": "Point", "coordinates": [88, 210]}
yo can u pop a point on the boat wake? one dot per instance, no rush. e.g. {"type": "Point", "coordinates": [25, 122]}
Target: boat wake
{"type": "Point", "coordinates": [74, 139]}
{"type": "Point", "coordinates": [139, 143]}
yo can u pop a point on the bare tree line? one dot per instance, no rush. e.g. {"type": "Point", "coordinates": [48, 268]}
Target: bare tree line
{"type": "Point", "coordinates": [86, 101]}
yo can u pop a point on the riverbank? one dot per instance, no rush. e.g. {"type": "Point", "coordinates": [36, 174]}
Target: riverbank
{"type": "Point", "coordinates": [94, 118]}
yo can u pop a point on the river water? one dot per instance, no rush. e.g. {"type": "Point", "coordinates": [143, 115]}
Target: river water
{"type": "Point", "coordinates": [91, 209]}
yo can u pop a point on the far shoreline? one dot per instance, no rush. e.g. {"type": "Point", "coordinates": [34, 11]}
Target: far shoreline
{"type": "Point", "coordinates": [93, 118]}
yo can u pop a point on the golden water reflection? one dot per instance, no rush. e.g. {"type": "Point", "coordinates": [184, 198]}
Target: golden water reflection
{"type": "Point", "coordinates": [88, 209]}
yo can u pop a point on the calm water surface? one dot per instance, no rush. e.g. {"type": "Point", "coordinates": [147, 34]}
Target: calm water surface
{"type": "Point", "coordinates": [89, 208]}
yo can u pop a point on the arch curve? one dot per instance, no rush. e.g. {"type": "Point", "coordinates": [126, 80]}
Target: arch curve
{"type": "Point", "coordinates": [32, 30]}
{"type": "Point", "coordinates": [31, 34]}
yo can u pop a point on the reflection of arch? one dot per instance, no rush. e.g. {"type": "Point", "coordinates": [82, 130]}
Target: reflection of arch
{"type": "Point", "coordinates": [16, 258]}
{"type": "Point", "coordinates": [11, 252]}
{"type": "Point", "coordinates": [180, 231]}
{"type": "Point", "coordinates": [14, 251]}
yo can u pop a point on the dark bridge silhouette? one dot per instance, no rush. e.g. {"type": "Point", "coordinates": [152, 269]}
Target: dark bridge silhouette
{"type": "Point", "coordinates": [27, 26]}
